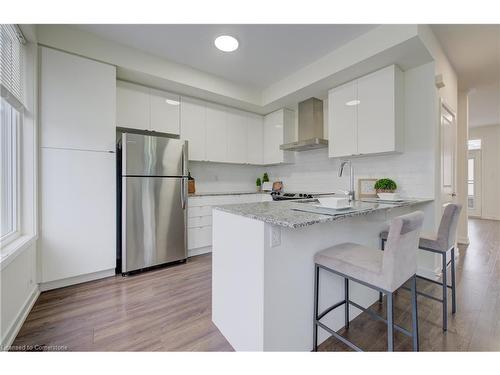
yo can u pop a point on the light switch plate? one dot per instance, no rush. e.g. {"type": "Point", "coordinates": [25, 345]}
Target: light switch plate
{"type": "Point", "coordinates": [275, 236]}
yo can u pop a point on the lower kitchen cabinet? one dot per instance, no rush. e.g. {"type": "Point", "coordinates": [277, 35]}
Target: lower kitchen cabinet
{"type": "Point", "coordinates": [200, 217]}
{"type": "Point", "coordinates": [78, 215]}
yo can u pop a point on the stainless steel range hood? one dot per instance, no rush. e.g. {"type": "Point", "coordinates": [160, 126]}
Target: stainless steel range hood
{"type": "Point", "coordinates": [310, 127]}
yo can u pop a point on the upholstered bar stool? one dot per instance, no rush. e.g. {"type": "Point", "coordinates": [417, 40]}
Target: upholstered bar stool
{"type": "Point", "coordinates": [383, 271]}
{"type": "Point", "coordinates": [440, 243]}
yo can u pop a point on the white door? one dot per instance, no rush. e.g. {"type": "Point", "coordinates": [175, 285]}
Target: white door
{"type": "Point", "coordinates": [77, 101]}
{"type": "Point", "coordinates": [132, 106]}
{"type": "Point", "coordinates": [273, 137]}
{"type": "Point", "coordinates": [342, 121]}
{"type": "Point", "coordinates": [165, 112]}
{"type": "Point", "coordinates": [78, 213]}
{"type": "Point", "coordinates": [375, 117]}
{"type": "Point", "coordinates": [236, 136]}
{"type": "Point", "coordinates": [474, 183]}
{"type": "Point", "coordinates": [216, 141]}
{"type": "Point", "coordinates": [255, 139]}
{"type": "Point", "coordinates": [193, 128]}
{"type": "Point", "coordinates": [448, 163]}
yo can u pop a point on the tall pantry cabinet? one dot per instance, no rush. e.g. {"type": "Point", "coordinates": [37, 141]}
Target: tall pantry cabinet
{"type": "Point", "coordinates": [77, 168]}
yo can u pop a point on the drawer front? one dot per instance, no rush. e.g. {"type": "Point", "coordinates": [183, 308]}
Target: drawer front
{"type": "Point", "coordinates": [199, 221]}
{"type": "Point", "coordinates": [199, 237]}
{"type": "Point", "coordinates": [199, 211]}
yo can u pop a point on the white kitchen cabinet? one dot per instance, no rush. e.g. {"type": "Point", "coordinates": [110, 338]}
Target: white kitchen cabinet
{"type": "Point", "coordinates": [255, 139]}
{"type": "Point", "coordinates": [342, 121]}
{"type": "Point", "coordinates": [78, 214]}
{"type": "Point", "coordinates": [132, 106]}
{"type": "Point", "coordinates": [236, 125]}
{"type": "Point", "coordinates": [193, 127]}
{"type": "Point", "coordinates": [366, 116]}
{"type": "Point", "coordinates": [165, 112]}
{"type": "Point", "coordinates": [77, 98]}
{"type": "Point", "coordinates": [380, 111]}
{"type": "Point", "coordinates": [216, 133]}
{"type": "Point", "coordinates": [278, 130]}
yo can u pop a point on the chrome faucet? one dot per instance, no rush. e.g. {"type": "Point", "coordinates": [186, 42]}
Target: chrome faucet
{"type": "Point", "coordinates": [351, 172]}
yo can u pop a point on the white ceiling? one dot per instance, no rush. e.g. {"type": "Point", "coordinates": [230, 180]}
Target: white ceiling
{"type": "Point", "coordinates": [474, 51]}
{"type": "Point", "coordinates": [267, 53]}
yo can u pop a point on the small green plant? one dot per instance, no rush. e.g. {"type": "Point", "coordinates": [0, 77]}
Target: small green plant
{"type": "Point", "coordinates": [265, 178]}
{"type": "Point", "coordinates": [385, 184]}
{"type": "Point", "coordinates": [258, 182]}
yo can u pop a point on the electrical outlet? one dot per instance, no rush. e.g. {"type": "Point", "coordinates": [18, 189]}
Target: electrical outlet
{"type": "Point", "coordinates": [275, 236]}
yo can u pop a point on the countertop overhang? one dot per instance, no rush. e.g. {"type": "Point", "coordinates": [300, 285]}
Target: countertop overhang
{"type": "Point", "coordinates": [284, 213]}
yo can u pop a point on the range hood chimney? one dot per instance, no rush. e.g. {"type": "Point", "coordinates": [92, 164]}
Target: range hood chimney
{"type": "Point", "coordinates": [310, 127]}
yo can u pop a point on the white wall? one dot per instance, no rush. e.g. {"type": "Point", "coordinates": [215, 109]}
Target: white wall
{"type": "Point", "coordinates": [220, 177]}
{"type": "Point", "coordinates": [462, 136]}
{"type": "Point", "coordinates": [490, 170]}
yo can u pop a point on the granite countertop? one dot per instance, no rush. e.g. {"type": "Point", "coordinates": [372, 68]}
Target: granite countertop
{"type": "Point", "coordinates": [210, 194]}
{"type": "Point", "coordinates": [285, 214]}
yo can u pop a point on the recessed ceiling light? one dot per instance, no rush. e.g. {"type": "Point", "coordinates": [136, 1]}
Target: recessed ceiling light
{"type": "Point", "coordinates": [226, 43]}
{"type": "Point", "coordinates": [171, 102]}
{"type": "Point", "coordinates": [353, 102]}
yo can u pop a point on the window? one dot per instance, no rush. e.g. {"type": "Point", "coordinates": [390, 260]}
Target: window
{"type": "Point", "coordinates": [9, 176]}
{"type": "Point", "coordinates": [11, 110]}
{"type": "Point", "coordinates": [474, 144]}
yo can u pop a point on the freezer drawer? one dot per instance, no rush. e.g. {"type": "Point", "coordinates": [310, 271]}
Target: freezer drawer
{"type": "Point", "coordinates": [154, 222]}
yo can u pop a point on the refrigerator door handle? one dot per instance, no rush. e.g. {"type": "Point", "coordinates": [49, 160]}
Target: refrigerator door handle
{"type": "Point", "coordinates": [183, 193]}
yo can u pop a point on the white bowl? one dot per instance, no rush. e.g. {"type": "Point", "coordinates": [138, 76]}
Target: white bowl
{"type": "Point", "coordinates": [389, 196]}
{"type": "Point", "coordinates": [334, 202]}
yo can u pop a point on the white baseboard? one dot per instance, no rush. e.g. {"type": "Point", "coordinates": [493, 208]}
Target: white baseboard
{"type": "Point", "coordinates": [489, 218]}
{"type": "Point", "coordinates": [76, 280]}
{"type": "Point", "coordinates": [199, 251]}
{"type": "Point", "coordinates": [18, 322]}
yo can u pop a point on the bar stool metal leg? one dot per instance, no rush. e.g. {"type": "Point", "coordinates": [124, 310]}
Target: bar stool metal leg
{"type": "Point", "coordinates": [346, 293]}
{"type": "Point", "coordinates": [382, 246]}
{"type": "Point", "coordinates": [445, 295]}
{"type": "Point", "coordinates": [453, 293]}
{"type": "Point", "coordinates": [390, 322]}
{"type": "Point", "coordinates": [414, 313]}
{"type": "Point", "coordinates": [316, 293]}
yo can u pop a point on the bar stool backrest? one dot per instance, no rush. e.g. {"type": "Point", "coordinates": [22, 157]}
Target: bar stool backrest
{"type": "Point", "coordinates": [447, 231]}
{"type": "Point", "coordinates": [400, 253]}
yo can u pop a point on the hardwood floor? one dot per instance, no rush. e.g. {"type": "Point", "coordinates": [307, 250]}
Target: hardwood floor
{"type": "Point", "coordinates": [167, 309]}
{"type": "Point", "coordinates": [170, 310]}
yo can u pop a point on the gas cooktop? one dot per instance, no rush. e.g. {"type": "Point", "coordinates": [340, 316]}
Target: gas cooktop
{"type": "Point", "coordinates": [283, 196]}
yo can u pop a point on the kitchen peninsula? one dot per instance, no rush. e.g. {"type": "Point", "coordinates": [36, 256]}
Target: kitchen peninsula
{"type": "Point", "coordinates": [262, 271]}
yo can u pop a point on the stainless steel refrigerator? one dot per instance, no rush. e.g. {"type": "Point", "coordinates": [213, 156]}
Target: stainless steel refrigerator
{"type": "Point", "coordinates": [153, 197]}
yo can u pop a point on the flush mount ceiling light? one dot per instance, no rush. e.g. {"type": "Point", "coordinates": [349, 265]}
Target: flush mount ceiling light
{"type": "Point", "coordinates": [171, 102]}
{"type": "Point", "coordinates": [226, 43]}
{"type": "Point", "coordinates": [353, 102]}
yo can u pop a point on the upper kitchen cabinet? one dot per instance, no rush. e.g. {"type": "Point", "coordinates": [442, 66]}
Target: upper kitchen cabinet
{"type": "Point", "coordinates": [278, 129]}
{"type": "Point", "coordinates": [143, 108]}
{"type": "Point", "coordinates": [366, 116]}
{"type": "Point", "coordinates": [193, 127]}
{"type": "Point", "coordinates": [342, 120]}
{"type": "Point", "coordinates": [67, 81]}
{"type": "Point", "coordinates": [255, 139]}
{"type": "Point", "coordinates": [132, 106]}
{"type": "Point", "coordinates": [236, 123]}
{"type": "Point", "coordinates": [216, 133]}
{"type": "Point", "coordinates": [165, 112]}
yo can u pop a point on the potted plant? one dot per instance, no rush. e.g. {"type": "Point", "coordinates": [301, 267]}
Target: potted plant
{"type": "Point", "coordinates": [265, 178]}
{"type": "Point", "coordinates": [385, 185]}
{"type": "Point", "coordinates": [258, 183]}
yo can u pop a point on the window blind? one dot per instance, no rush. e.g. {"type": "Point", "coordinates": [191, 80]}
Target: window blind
{"type": "Point", "coordinates": [11, 65]}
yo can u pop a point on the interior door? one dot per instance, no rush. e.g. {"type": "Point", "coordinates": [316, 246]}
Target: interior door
{"type": "Point", "coordinates": [474, 183]}
{"type": "Point", "coordinates": [448, 155]}
{"type": "Point", "coordinates": [154, 229]}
